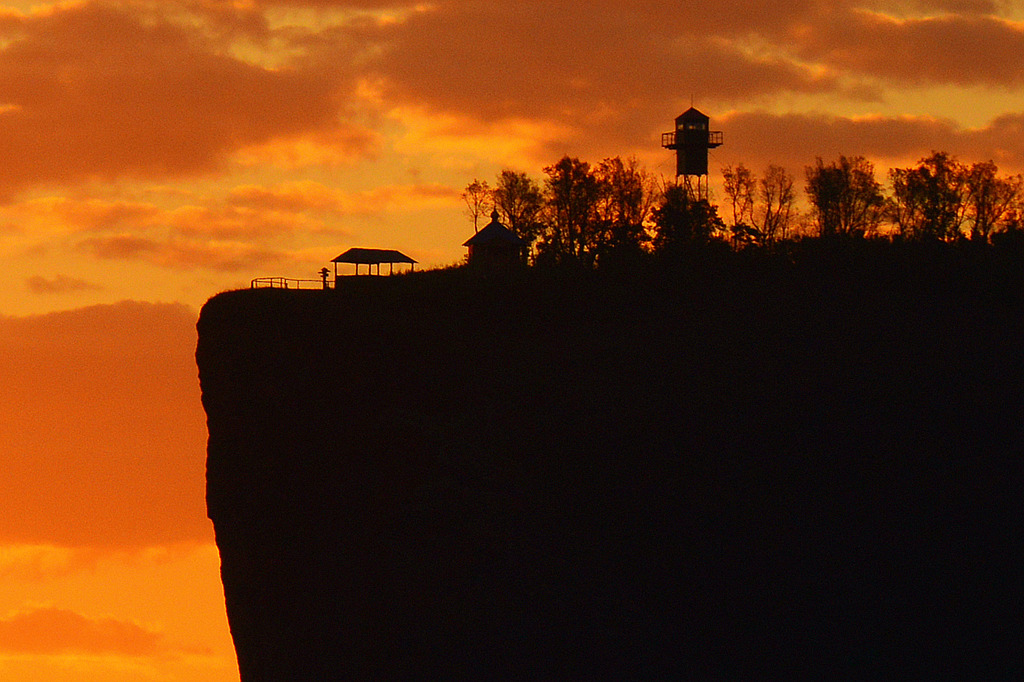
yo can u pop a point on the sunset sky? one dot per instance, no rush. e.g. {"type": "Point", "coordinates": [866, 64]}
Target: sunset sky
{"type": "Point", "coordinates": [155, 153]}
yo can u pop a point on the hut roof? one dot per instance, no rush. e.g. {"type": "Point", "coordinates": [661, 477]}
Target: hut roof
{"type": "Point", "coordinates": [372, 257]}
{"type": "Point", "coordinates": [493, 232]}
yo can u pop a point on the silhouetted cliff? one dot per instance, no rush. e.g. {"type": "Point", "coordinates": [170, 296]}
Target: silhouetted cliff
{"type": "Point", "coordinates": [735, 469]}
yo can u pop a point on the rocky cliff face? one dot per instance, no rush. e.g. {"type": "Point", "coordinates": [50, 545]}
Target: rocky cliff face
{"type": "Point", "coordinates": [578, 478]}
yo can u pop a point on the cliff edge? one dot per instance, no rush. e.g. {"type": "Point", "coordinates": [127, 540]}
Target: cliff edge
{"type": "Point", "coordinates": [718, 473]}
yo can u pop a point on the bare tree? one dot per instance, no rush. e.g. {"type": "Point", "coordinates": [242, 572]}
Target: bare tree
{"type": "Point", "coordinates": [479, 199]}
{"type": "Point", "coordinates": [740, 187]}
{"type": "Point", "coordinates": [778, 200]}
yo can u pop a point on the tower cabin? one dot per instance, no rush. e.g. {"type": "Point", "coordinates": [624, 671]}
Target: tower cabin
{"type": "Point", "coordinates": [495, 247]}
{"type": "Point", "coordinates": [691, 141]}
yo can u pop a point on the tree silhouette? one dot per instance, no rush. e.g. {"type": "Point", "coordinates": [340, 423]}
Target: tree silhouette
{"type": "Point", "coordinates": [845, 197]}
{"type": "Point", "coordinates": [929, 200]}
{"type": "Point", "coordinates": [583, 214]}
{"type": "Point", "coordinates": [518, 201]}
{"type": "Point", "coordinates": [627, 193]}
{"type": "Point", "coordinates": [741, 188]}
{"type": "Point", "coordinates": [616, 211]}
{"type": "Point", "coordinates": [762, 208]}
{"type": "Point", "coordinates": [572, 191]}
{"type": "Point", "coordinates": [778, 200]}
{"type": "Point", "coordinates": [990, 198]}
{"type": "Point", "coordinates": [681, 222]}
{"type": "Point", "coordinates": [478, 198]}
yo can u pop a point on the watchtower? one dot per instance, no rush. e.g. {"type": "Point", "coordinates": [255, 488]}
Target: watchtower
{"type": "Point", "coordinates": [691, 141]}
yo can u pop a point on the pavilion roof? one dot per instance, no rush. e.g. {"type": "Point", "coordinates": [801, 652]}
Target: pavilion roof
{"type": "Point", "coordinates": [372, 257]}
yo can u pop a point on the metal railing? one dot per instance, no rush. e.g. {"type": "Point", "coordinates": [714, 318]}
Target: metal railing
{"type": "Point", "coordinates": [289, 283]}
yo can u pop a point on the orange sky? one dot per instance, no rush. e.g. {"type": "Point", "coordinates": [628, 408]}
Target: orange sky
{"type": "Point", "coordinates": [161, 151]}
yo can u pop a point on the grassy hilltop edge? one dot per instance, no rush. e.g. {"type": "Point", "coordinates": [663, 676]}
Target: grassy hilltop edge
{"type": "Point", "coordinates": [713, 470]}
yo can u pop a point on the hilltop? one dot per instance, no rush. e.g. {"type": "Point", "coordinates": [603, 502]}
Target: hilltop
{"type": "Point", "coordinates": [726, 469]}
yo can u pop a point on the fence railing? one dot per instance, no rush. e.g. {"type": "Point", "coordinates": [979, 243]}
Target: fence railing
{"type": "Point", "coordinates": [290, 283]}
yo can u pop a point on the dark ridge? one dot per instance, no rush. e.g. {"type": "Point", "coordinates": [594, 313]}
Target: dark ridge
{"type": "Point", "coordinates": [801, 464]}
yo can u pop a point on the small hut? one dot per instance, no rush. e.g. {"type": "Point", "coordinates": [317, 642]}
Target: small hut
{"type": "Point", "coordinates": [371, 257]}
{"type": "Point", "coordinates": [495, 247]}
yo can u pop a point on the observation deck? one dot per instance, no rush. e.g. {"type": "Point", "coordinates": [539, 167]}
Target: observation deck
{"type": "Point", "coordinates": [668, 140]}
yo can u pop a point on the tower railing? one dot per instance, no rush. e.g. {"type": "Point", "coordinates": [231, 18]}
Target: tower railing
{"type": "Point", "coordinates": [669, 139]}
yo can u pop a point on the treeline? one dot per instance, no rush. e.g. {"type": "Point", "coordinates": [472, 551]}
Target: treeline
{"type": "Point", "coordinates": [617, 210]}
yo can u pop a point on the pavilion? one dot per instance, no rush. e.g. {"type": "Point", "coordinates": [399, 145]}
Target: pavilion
{"type": "Point", "coordinates": [371, 257]}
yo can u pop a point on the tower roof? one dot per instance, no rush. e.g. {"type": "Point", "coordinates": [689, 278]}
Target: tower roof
{"type": "Point", "coordinates": [692, 114]}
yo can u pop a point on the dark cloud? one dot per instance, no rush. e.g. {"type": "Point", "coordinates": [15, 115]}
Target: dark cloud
{"type": "Point", "coordinates": [96, 91]}
{"type": "Point", "coordinates": [185, 254]}
{"type": "Point", "coordinates": [94, 215]}
{"type": "Point", "coordinates": [302, 197]}
{"type": "Point", "coordinates": [616, 72]}
{"type": "Point", "coordinates": [123, 246]}
{"type": "Point", "coordinates": [61, 284]}
{"type": "Point", "coordinates": [571, 59]}
{"type": "Point", "coordinates": [100, 90]}
{"type": "Point", "coordinates": [794, 140]}
{"type": "Point", "coordinates": [571, 62]}
{"type": "Point", "coordinates": [962, 50]}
